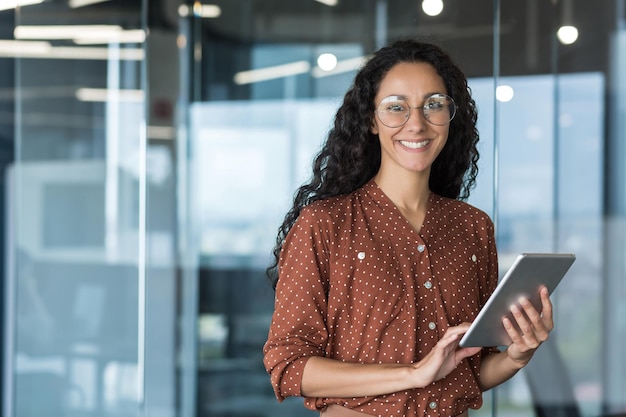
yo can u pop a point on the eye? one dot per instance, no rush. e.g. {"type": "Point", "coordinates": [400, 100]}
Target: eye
{"type": "Point", "coordinates": [397, 107]}
{"type": "Point", "coordinates": [436, 104]}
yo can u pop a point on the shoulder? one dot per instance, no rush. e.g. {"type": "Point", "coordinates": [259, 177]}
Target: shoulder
{"type": "Point", "coordinates": [330, 209]}
{"type": "Point", "coordinates": [333, 216]}
{"type": "Point", "coordinates": [462, 210]}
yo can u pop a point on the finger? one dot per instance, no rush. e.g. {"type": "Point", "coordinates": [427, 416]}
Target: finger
{"type": "Point", "coordinates": [537, 326]}
{"type": "Point", "coordinates": [532, 313]}
{"type": "Point", "coordinates": [514, 335]}
{"type": "Point", "coordinates": [450, 340]}
{"type": "Point", "coordinates": [466, 352]}
{"type": "Point", "coordinates": [444, 345]}
{"type": "Point", "coordinates": [546, 308]}
{"type": "Point", "coordinates": [461, 328]}
{"type": "Point", "coordinates": [456, 332]}
{"type": "Point", "coordinates": [526, 328]}
{"type": "Point", "coordinates": [452, 337]}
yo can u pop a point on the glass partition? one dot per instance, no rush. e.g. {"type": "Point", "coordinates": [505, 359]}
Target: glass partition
{"type": "Point", "coordinates": [553, 188]}
{"type": "Point", "coordinates": [90, 287]}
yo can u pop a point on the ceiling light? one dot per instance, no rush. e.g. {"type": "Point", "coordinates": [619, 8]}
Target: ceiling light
{"type": "Point", "coordinates": [504, 93]}
{"type": "Point", "coordinates": [12, 4]}
{"type": "Point", "coordinates": [43, 50]}
{"type": "Point", "coordinates": [567, 34]}
{"type": "Point", "coordinates": [81, 34]}
{"type": "Point", "coordinates": [9, 48]}
{"type": "Point", "coordinates": [207, 11]}
{"type": "Point", "coordinates": [121, 36]}
{"type": "Point", "coordinates": [327, 62]}
{"type": "Point", "coordinates": [65, 31]}
{"type": "Point", "coordinates": [432, 7]}
{"type": "Point", "coordinates": [109, 94]}
{"type": "Point", "coordinates": [328, 2]}
{"type": "Point", "coordinates": [346, 65]}
{"type": "Point", "coordinates": [270, 73]}
{"type": "Point", "coordinates": [82, 3]}
{"type": "Point", "coordinates": [95, 53]}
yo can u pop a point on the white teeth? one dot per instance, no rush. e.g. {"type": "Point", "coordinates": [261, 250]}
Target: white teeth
{"type": "Point", "coordinates": [414, 145]}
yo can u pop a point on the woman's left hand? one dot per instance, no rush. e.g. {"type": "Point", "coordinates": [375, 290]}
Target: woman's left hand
{"type": "Point", "coordinates": [534, 326]}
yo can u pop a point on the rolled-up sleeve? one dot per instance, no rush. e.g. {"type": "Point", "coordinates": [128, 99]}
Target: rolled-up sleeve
{"type": "Point", "coordinates": [298, 329]}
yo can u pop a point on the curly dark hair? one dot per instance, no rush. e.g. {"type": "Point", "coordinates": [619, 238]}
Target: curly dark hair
{"type": "Point", "coordinates": [351, 154]}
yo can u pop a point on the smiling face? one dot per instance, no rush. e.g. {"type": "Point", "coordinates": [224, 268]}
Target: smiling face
{"type": "Point", "coordinates": [414, 146]}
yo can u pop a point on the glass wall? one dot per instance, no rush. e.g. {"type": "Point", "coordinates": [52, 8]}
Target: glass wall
{"type": "Point", "coordinates": [90, 291]}
{"type": "Point", "coordinates": [151, 148]}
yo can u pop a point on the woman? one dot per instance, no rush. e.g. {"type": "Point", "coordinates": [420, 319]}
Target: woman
{"type": "Point", "coordinates": [381, 265]}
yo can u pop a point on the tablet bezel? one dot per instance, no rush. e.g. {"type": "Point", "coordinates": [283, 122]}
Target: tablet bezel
{"type": "Point", "coordinates": [526, 275]}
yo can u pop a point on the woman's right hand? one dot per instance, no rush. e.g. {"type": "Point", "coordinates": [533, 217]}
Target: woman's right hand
{"type": "Point", "coordinates": [324, 377]}
{"type": "Point", "coordinates": [444, 357]}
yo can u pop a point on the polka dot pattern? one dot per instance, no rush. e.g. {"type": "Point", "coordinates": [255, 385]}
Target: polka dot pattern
{"type": "Point", "coordinates": [359, 284]}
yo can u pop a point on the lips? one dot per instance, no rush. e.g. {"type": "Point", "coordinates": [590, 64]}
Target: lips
{"type": "Point", "coordinates": [415, 145]}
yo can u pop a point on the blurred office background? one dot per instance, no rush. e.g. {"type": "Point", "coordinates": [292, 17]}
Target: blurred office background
{"type": "Point", "coordinates": [149, 150]}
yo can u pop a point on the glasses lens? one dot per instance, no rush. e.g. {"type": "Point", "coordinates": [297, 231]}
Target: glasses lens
{"type": "Point", "coordinates": [393, 111]}
{"type": "Point", "coordinates": [439, 109]}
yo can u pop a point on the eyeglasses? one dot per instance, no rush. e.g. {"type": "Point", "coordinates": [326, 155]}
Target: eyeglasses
{"type": "Point", "coordinates": [438, 109]}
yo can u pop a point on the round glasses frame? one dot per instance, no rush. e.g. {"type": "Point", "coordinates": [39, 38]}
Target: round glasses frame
{"type": "Point", "coordinates": [438, 109]}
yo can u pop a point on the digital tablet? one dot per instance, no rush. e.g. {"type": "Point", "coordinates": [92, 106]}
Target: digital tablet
{"type": "Point", "coordinates": [523, 279]}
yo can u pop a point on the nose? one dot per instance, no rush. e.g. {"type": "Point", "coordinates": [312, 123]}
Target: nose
{"type": "Point", "coordinates": [416, 122]}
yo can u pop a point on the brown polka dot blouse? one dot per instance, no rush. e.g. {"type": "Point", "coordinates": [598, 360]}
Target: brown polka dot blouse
{"type": "Point", "coordinates": [358, 284]}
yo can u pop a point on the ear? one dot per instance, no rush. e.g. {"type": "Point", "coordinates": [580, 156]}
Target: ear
{"type": "Point", "coordinates": [374, 127]}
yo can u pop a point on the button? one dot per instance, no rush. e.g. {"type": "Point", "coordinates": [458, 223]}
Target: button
{"type": "Point", "coordinates": [432, 326]}
{"type": "Point", "coordinates": [432, 405]}
{"type": "Point", "coordinates": [473, 258]}
{"type": "Point", "coordinates": [428, 285]}
{"type": "Point", "coordinates": [361, 255]}
{"type": "Point", "coordinates": [420, 248]}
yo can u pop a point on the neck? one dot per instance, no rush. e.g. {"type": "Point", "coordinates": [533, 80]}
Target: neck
{"type": "Point", "coordinates": [408, 192]}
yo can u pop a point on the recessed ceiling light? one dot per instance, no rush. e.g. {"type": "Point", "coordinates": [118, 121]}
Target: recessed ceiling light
{"type": "Point", "coordinates": [567, 34]}
{"type": "Point", "coordinates": [432, 7]}
{"type": "Point", "coordinates": [327, 62]}
{"type": "Point", "coordinates": [504, 93]}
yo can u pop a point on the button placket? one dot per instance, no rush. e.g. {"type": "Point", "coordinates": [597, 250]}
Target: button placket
{"type": "Point", "coordinates": [421, 248]}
